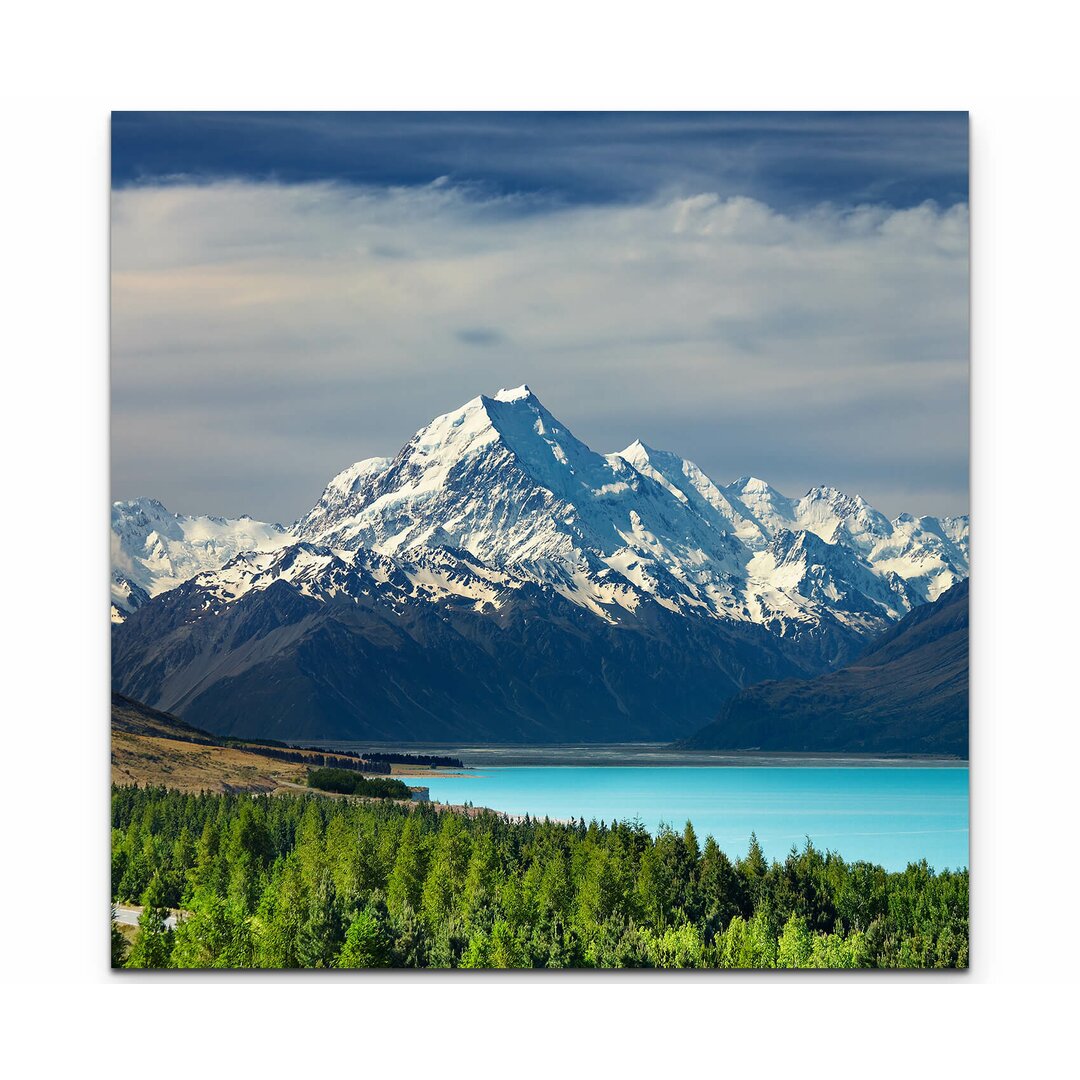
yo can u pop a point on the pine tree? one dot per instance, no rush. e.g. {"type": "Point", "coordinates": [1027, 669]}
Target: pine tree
{"type": "Point", "coordinates": [723, 895]}
{"type": "Point", "coordinates": [796, 946]}
{"type": "Point", "coordinates": [406, 882]}
{"type": "Point", "coordinates": [153, 946]}
{"type": "Point", "coordinates": [481, 880]}
{"type": "Point", "coordinates": [321, 933]}
{"type": "Point", "coordinates": [446, 875]}
{"type": "Point", "coordinates": [216, 934]}
{"type": "Point", "coordinates": [366, 943]}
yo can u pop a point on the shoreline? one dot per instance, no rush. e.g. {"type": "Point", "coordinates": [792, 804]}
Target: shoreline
{"type": "Point", "coordinates": [628, 755]}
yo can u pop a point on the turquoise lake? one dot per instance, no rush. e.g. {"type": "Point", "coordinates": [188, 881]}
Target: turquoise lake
{"type": "Point", "coordinates": [890, 816]}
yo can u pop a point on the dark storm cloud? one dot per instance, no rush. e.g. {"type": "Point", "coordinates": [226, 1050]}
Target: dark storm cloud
{"type": "Point", "coordinates": [790, 160]}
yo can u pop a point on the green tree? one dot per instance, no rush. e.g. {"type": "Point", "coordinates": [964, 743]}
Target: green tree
{"type": "Point", "coordinates": [476, 951]}
{"type": "Point", "coordinates": [216, 934]}
{"type": "Point", "coordinates": [555, 892]}
{"type": "Point", "coordinates": [153, 945]}
{"type": "Point", "coordinates": [322, 931]}
{"type": "Point", "coordinates": [481, 880]}
{"type": "Point", "coordinates": [796, 945]}
{"type": "Point", "coordinates": [506, 949]}
{"type": "Point", "coordinates": [445, 880]}
{"type": "Point", "coordinates": [598, 896]}
{"type": "Point", "coordinates": [367, 944]}
{"type": "Point", "coordinates": [280, 916]}
{"type": "Point", "coordinates": [406, 882]}
{"type": "Point", "coordinates": [753, 870]}
{"type": "Point", "coordinates": [722, 894]}
{"type": "Point", "coordinates": [656, 887]}
{"type": "Point", "coordinates": [678, 947]}
{"type": "Point", "coordinates": [298, 881]}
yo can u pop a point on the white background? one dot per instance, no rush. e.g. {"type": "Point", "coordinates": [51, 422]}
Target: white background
{"type": "Point", "coordinates": [64, 69]}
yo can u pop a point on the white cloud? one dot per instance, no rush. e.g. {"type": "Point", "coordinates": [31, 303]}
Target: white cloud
{"type": "Point", "coordinates": [290, 330]}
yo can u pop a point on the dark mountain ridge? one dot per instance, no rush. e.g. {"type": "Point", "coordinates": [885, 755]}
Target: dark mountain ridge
{"type": "Point", "coordinates": [907, 694]}
{"type": "Point", "coordinates": [282, 665]}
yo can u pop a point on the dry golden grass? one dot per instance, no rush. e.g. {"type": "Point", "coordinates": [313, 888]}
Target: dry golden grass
{"type": "Point", "coordinates": [151, 747]}
{"type": "Point", "coordinates": [130, 933]}
{"type": "Point", "coordinates": [186, 766]}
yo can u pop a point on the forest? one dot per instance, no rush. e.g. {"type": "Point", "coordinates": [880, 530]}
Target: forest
{"type": "Point", "coordinates": [310, 881]}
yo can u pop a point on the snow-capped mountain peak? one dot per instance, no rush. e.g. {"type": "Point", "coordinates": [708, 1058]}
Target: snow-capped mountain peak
{"type": "Point", "coordinates": [518, 393]}
{"type": "Point", "coordinates": [505, 486]}
{"type": "Point", "coordinates": [500, 477]}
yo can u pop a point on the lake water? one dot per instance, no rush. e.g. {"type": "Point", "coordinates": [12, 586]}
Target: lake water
{"type": "Point", "coordinates": [885, 814]}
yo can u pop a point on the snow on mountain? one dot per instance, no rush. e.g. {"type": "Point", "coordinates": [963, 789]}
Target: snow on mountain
{"type": "Point", "coordinates": [327, 512]}
{"type": "Point", "coordinates": [322, 574]}
{"type": "Point", "coordinates": [499, 474]}
{"type": "Point", "coordinates": [930, 554]}
{"type": "Point", "coordinates": [499, 494]}
{"type": "Point", "coordinates": [503, 480]}
{"type": "Point", "coordinates": [927, 554]}
{"type": "Point", "coordinates": [694, 489]}
{"type": "Point", "coordinates": [126, 596]}
{"type": "Point", "coordinates": [913, 559]}
{"type": "Point", "coordinates": [823, 575]}
{"type": "Point", "coordinates": [771, 510]}
{"type": "Point", "coordinates": [154, 550]}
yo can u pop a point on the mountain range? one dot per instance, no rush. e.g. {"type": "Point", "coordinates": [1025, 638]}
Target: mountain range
{"type": "Point", "coordinates": [154, 551]}
{"type": "Point", "coordinates": [497, 579]}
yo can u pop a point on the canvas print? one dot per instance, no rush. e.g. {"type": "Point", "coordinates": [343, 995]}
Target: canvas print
{"type": "Point", "coordinates": [540, 540]}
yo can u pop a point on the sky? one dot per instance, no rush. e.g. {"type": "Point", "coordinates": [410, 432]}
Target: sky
{"type": "Point", "coordinates": [781, 295]}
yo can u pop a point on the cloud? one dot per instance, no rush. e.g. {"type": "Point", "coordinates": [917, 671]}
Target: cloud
{"type": "Point", "coordinates": [265, 335]}
{"type": "Point", "coordinates": [479, 335]}
{"type": "Point", "coordinates": [788, 159]}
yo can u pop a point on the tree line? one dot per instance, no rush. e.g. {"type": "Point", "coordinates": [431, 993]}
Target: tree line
{"type": "Point", "coordinates": [316, 757]}
{"type": "Point", "coordinates": [305, 881]}
{"type": "Point", "coordinates": [345, 782]}
{"type": "Point", "coordinates": [432, 761]}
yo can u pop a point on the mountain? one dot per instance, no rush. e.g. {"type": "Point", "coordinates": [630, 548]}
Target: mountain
{"type": "Point", "coordinates": [308, 643]}
{"type": "Point", "coordinates": [504, 480]}
{"type": "Point", "coordinates": [154, 551]}
{"type": "Point", "coordinates": [907, 694]}
{"type": "Point", "coordinates": [498, 579]}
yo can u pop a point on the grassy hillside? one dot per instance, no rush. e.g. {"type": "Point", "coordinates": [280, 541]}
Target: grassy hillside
{"type": "Point", "coordinates": [134, 718]}
{"type": "Point", "coordinates": [151, 747]}
{"type": "Point", "coordinates": [154, 747]}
